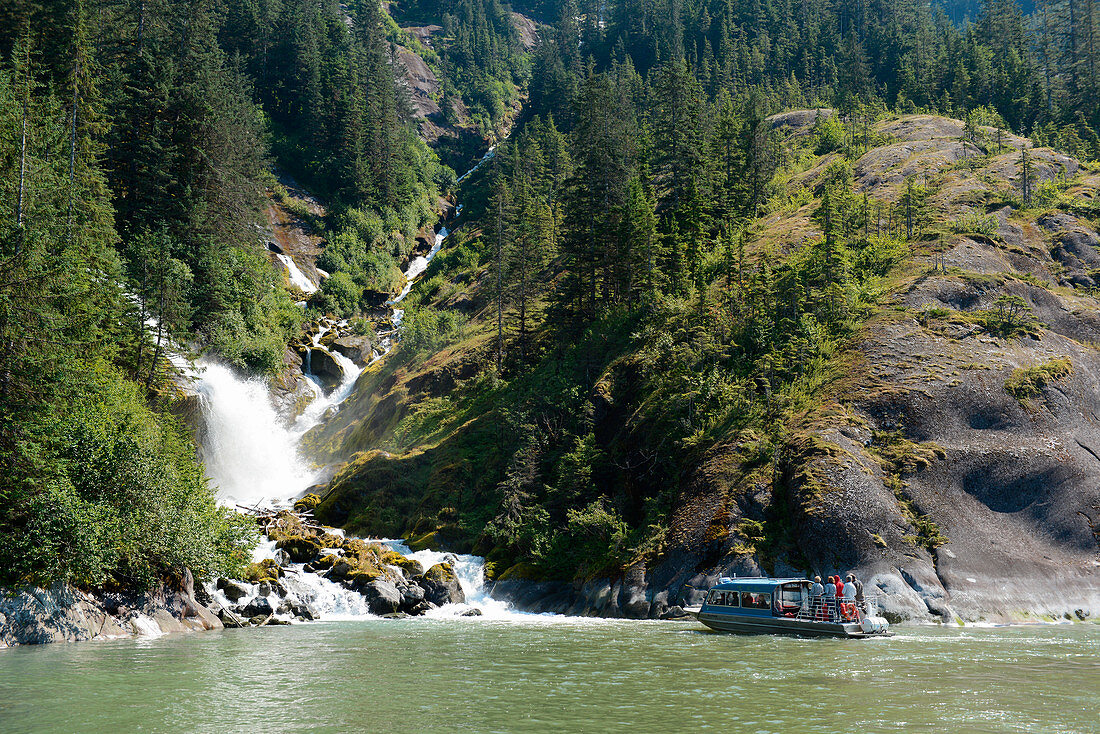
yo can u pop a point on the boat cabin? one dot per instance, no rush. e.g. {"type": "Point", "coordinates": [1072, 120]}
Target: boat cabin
{"type": "Point", "coordinates": [759, 597]}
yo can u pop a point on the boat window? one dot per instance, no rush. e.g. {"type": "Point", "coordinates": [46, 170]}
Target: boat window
{"type": "Point", "coordinates": [714, 596]}
{"type": "Point", "coordinates": [731, 599]}
{"type": "Point", "coordinates": [756, 600]}
{"type": "Point", "coordinates": [791, 594]}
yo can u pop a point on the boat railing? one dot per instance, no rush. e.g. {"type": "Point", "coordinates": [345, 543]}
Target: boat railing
{"type": "Point", "coordinates": [836, 609]}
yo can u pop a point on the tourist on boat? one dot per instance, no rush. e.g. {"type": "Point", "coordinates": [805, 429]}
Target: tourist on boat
{"type": "Point", "coordinates": [848, 604]}
{"type": "Point", "coordinates": [859, 589]}
{"type": "Point", "coordinates": [816, 590]}
{"type": "Point", "coordinates": [830, 599]}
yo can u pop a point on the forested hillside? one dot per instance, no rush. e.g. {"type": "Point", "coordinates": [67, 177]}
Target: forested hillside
{"type": "Point", "coordinates": [139, 141]}
{"type": "Point", "coordinates": [630, 360]}
{"type": "Point", "coordinates": [646, 349]}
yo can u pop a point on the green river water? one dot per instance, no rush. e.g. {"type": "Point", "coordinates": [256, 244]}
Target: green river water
{"type": "Point", "coordinates": [540, 675]}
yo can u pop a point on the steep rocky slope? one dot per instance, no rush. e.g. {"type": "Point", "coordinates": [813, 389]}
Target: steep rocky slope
{"type": "Point", "coordinates": [953, 456]}
{"type": "Point", "coordinates": [922, 470]}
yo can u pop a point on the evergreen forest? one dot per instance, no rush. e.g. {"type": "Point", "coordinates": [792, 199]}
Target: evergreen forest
{"type": "Point", "coordinates": [611, 321]}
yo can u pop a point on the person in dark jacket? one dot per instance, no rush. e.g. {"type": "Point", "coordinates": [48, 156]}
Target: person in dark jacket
{"type": "Point", "coordinates": [859, 589]}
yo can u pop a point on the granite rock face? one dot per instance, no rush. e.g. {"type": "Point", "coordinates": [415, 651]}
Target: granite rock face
{"type": "Point", "coordinates": [62, 613]}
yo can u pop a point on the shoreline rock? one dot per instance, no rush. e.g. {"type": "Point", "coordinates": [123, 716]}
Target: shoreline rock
{"type": "Point", "coordinates": [32, 615]}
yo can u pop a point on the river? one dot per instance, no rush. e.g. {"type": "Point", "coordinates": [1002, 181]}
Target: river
{"type": "Point", "coordinates": [543, 674]}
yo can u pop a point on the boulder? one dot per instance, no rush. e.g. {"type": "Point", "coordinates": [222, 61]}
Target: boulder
{"type": "Point", "coordinates": [258, 606]}
{"type": "Point", "coordinates": [233, 592]}
{"type": "Point", "coordinates": [474, 612]}
{"type": "Point", "coordinates": [340, 569]}
{"type": "Point", "coordinates": [420, 608]}
{"type": "Point", "coordinates": [412, 596]}
{"type": "Point", "coordinates": [324, 367]}
{"type": "Point", "coordinates": [356, 348]}
{"type": "Point", "coordinates": [382, 597]}
{"type": "Point", "coordinates": [60, 613]}
{"type": "Point", "coordinates": [305, 612]}
{"type": "Point", "coordinates": [300, 548]}
{"type": "Point", "coordinates": [360, 578]}
{"type": "Point", "coordinates": [413, 569]}
{"type": "Point", "coordinates": [441, 585]}
{"type": "Point", "coordinates": [676, 613]}
{"type": "Point", "coordinates": [230, 619]}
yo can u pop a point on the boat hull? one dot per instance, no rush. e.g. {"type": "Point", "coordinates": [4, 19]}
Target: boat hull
{"type": "Point", "coordinates": [782, 626]}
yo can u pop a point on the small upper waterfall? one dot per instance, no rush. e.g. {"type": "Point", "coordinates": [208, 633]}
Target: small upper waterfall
{"type": "Point", "coordinates": [297, 277]}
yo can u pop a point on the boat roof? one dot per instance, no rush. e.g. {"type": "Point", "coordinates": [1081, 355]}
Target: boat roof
{"type": "Point", "coordinates": [757, 583]}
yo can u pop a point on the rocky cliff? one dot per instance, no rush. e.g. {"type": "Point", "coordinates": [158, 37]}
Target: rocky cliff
{"type": "Point", "coordinates": [954, 467]}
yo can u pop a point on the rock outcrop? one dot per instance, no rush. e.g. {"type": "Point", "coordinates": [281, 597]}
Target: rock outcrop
{"type": "Point", "coordinates": [63, 613]}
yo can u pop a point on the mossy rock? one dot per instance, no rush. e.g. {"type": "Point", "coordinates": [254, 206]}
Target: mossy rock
{"type": "Point", "coordinates": [522, 572]}
{"type": "Point", "coordinates": [307, 503]}
{"type": "Point", "coordinates": [327, 561]}
{"type": "Point", "coordinates": [497, 561]}
{"type": "Point", "coordinates": [286, 525]}
{"type": "Point", "coordinates": [441, 586]}
{"type": "Point", "coordinates": [300, 548]}
{"type": "Point", "coordinates": [440, 573]}
{"type": "Point", "coordinates": [424, 542]}
{"type": "Point", "coordinates": [329, 540]}
{"type": "Point", "coordinates": [355, 547]}
{"type": "Point", "coordinates": [360, 578]}
{"type": "Point", "coordinates": [265, 570]}
{"type": "Point", "coordinates": [412, 567]}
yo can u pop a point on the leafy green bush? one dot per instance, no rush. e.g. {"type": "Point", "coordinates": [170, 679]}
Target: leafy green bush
{"type": "Point", "coordinates": [252, 328]}
{"type": "Point", "coordinates": [429, 330]}
{"type": "Point", "coordinates": [121, 495]}
{"type": "Point", "coordinates": [342, 294]}
{"type": "Point", "coordinates": [879, 256]}
{"type": "Point", "coordinates": [976, 222]}
{"type": "Point", "coordinates": [828, 133]}
{"type": "Point", "coordinates": [1010, 316]}
{"type": "Point", "coordinates": [454, 260]}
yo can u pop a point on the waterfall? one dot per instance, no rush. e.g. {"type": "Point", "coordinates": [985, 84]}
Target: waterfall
{"type": "Point", "coordinates": [297, 277]}
{"type": "Point", "coordinates": [417, 266]}
{"type": "Point", "coordinates": [252, 456]}
{"type": "Point", "coordinates": [470, 571]}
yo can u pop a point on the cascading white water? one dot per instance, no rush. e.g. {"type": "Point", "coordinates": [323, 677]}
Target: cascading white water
{"type": "Point", "coordinates": [250, 454]}
{"type": "Point", "coordinates": [470, 572]}
{"type": "Point", "coordinates": [297, 277]}
{"type": "Point", "coordinates": [418, 265]}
